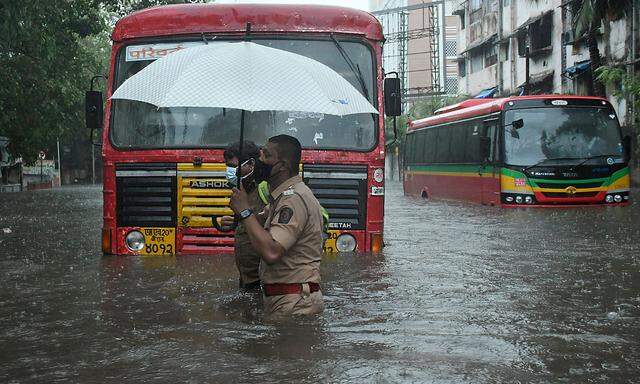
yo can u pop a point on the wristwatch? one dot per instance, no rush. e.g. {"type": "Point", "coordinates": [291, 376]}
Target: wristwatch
{"type": "Point", "coordinates": [246, 213]}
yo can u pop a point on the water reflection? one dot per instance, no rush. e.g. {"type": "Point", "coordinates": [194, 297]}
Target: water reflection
{"type": "Point", "coordinates": [462, 293]}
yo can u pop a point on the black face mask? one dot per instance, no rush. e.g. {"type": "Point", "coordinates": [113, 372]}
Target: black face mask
{"type": "Point", "coordinates": [262, 171]}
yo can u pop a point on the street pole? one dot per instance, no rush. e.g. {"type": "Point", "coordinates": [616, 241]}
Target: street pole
{"type": "Point", "coordinates": [526, 70]}
{"type": "Point", "coordinates": [41, 177]}
{"type": "Point", "coordinates": [93, 162]}
{"type": "Point", "coordinates": [59, 167]}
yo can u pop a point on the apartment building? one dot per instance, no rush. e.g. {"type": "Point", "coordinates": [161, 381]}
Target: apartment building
{"type": "Point", "coordinates": [509, 47]}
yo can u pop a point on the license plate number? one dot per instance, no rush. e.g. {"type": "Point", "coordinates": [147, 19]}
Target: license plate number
{"type": "Point", "coordinates": [159, 241]}
{"type": "Point", "coordinates": [329, 245]}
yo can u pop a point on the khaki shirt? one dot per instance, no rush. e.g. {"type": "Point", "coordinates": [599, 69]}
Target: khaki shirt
{"type": "Point", "coordinates": [247, 259]}
{"type": "Point", "coordinates": [295, 222]}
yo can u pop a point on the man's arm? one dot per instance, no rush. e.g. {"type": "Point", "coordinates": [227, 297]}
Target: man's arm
{"type": "Point", "coordinates": [260, 238]}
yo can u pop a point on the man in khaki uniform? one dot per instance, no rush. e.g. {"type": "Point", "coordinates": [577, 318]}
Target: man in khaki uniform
{"type": "Point", "coordinates": [287, 234]}
{"type": "Point", "coordinates": [247, 259]}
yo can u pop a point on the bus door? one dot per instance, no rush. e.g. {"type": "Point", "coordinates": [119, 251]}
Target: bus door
{"type": "Point", "coordinates": [488, 170]}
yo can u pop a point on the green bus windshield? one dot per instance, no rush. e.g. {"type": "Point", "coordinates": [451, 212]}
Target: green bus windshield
{"type": "Point", "coordinates": [562, 134]}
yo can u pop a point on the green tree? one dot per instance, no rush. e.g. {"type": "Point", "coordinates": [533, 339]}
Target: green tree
{"type": "Point", "coordinates": [47, 51]}
{"type": "Point", "coordinates": [627, 86]}
{"type": "Point", "coordinates": [588, 16]}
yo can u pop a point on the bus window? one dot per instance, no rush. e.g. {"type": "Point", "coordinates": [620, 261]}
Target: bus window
{"type": "Point", "coordinates": [442, 150]}
{"type": "Point", "coordinates": [457, 146]}
{"type": "Point", "coordinates": [409, 150]}
{"type": "Point", "coordinates": [430, 145]}
{"type": "Point", "coordinates": [419, 148]}
{"type": "Point", "coordinates": [490, 128]}
{"type": "Point", "coordinates": [472, 144]}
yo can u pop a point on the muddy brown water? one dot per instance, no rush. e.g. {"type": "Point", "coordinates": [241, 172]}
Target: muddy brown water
{"type": "Point", "coordinates": [462, 294]}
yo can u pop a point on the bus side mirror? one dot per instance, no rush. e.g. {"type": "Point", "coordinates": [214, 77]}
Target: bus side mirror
{"type": "Point", "coordinates": [93, 109]}
{"type": "Point", "coordinates": [626, 146]}
{"type": "Point", "coordinates": [485, 147]}
{"type": "Point", "coordinates": [392, 100]}
{"type": "Point", "coordinates": [517, 124]}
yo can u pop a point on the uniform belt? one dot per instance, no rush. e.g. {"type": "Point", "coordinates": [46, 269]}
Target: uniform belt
{"type": "Point", "coordinates": [288, 289]}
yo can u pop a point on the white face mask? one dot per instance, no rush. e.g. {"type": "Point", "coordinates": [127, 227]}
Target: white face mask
{"type": "Point", "coordinates": [231, 174]}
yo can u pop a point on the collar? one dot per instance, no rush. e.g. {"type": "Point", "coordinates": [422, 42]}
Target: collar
{"type": "Point", "coordinates": [286, 185]}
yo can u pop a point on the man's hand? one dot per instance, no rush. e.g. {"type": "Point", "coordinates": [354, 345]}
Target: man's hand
{"type": "Point", "coordinates": [239, 201]}
{"type": "Point", "coordinates": [226, 221]}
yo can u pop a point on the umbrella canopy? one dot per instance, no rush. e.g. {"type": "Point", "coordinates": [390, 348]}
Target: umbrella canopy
{"type": "Point", "coordinates": [246, 76]}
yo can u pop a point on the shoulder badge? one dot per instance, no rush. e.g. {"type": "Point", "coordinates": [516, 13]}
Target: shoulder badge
{"type": "Point", "coordinates": [288, 192]}
{"type": "Point", "coordinates": [285, 215]}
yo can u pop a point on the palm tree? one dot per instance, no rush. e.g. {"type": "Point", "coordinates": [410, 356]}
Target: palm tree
{"type": "Point", "coordinates": [588, 15]}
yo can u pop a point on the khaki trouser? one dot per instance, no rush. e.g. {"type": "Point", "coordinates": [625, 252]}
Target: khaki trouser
{"type": "Point", "coordinates": [304, 303]}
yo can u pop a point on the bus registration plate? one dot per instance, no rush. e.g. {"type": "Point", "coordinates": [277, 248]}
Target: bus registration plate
{"type": "Point", "coordinates": [329, 245]}
{"type": "Point", "coordinates": [159, 241]}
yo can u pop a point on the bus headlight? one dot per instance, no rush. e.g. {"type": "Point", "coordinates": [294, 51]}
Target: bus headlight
{"type": "Point", "coordinates": [528, 200]}
{"type": "Point", "coordinates": [378, 175]}
{"type": "Point", "coordinates": [134, 241]}
{"type": "Point", "coordinates": [609, 199]}
{"type": "Point", "coordinates": [617, 198]}
{"type": "Point", "coordinates": [346, 243]}
{"type": "Point", "coordinates": [509, 199]}
{"type": "Point", "coordinates": [519, 199]}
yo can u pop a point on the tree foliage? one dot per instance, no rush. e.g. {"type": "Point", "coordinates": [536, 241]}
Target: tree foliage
{"type": "Point", "coordinates": [49, 51]}
{"type": "Point", "coordinates": [588, 16]}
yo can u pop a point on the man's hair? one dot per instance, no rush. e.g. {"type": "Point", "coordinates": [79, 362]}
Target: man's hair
{"type": "Point", "coordinates": [288, 148]}
{"type": "Point", "coordinates": [249, 151]}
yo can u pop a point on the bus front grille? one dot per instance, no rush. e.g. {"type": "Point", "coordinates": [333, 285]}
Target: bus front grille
{"type": "Point", "coordinates": [564, 185]}
{"type": "Point", "coordinates": [203, 195]}
{"type": "Point", "coordinates": [567, 195]}
{"type": "Point", "coordinates": [342, 191]}
{"type": "Point", "coordinates": [145, 195]}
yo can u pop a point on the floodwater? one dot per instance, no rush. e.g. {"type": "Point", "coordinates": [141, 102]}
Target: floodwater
{"type": "Point", "coordinates": [462, 294]}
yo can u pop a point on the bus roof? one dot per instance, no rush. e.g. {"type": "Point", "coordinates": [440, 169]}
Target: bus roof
{"type": "Point", "coordinates": [479, 107]}
{"type": "Point", "coordinates": [183, 19]}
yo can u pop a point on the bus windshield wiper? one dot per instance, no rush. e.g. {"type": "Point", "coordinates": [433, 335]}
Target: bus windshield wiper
{"type": "Point", "coordinates": [551, 159]}
{"type": "Point", "coordinates": [354, 68]}
{"type": "Point", "coordinates": [590, 158]}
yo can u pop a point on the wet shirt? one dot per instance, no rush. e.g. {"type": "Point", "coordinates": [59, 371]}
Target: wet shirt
{"type": "Point", "coordinates": [295, 222]}
{"type": "Point", "coordinates": [247, 259]}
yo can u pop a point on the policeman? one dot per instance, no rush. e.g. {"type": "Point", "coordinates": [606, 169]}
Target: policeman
{"type": "Point", "coordinates": [247, 259]}
{"type": "Point", "coordinates": [287, 234]}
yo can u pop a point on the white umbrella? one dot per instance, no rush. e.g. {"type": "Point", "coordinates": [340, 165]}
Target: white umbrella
{"type": "Point", "coordinates": [245, 76]}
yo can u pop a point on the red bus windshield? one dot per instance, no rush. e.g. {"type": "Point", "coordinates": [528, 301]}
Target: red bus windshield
{"type": "Point", "coordinates": [139, 125]}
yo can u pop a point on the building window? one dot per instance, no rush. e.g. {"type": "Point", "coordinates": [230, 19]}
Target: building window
{"type": "Point", "coordinates": [462, 68]}
{"type": "Point", "coordinates": [541, 32]}
{"type": "Point", "coordinates": [451, 85]}
{"type": "Point", "coordinates": [536, 35]}
{"type": "Point", "coordinates": [475, 63]}
{"type": "Point", "coordinates": [451, 48]}
{"type": "Point", "coordinates": [490, 55]}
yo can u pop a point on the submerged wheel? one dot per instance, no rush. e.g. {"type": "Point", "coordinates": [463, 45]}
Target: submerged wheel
{"type": "Point", "coordinates": [424, 195]}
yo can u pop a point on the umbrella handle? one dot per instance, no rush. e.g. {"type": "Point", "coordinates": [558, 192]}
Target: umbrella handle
{"type": "Point", "coordinates": [219, 227]}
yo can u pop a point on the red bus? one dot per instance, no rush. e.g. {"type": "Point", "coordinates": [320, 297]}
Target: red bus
{"type": "Point", "coordinates": [546, 150]}
{"type": "Point", "coordinates": [163, 168]}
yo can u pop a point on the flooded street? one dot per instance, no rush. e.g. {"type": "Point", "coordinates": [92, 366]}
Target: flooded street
{"type": "Point", "coordinates": [462, 294]}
